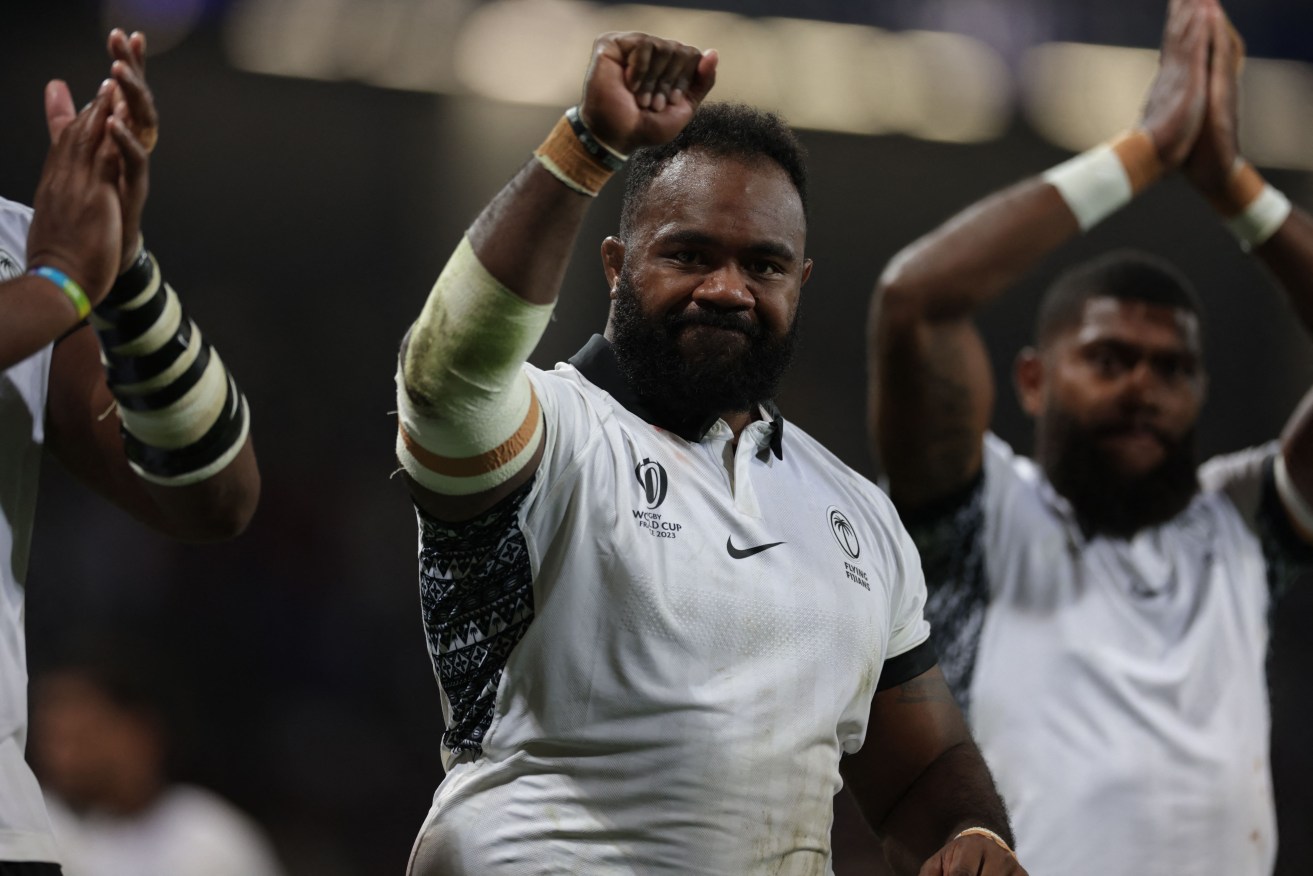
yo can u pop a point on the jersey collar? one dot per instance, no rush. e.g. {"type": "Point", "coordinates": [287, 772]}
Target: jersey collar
{"type": "Point", "coordinates": [597, 362]}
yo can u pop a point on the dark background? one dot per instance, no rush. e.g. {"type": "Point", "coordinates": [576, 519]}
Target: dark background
{"type": "Point", "coordinates": [303, 223]}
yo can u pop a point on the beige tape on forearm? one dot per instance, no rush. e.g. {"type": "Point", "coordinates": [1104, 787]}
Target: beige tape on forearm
{"type": "Point", "coordinates": [191, 416]}
{"type": "Point", "coordinates": [152, 339]}
{"type": "Point", "coordinates": [195, 343]}
{"type": "Point", "coordinates": [186, 420]}
{"type": "Point", "coordinates": [183, 418]}
{"type": "Point", "coordinates": [239, 408]}
{"type": "Point", "coordinates": [469, 419]}
{"type": "Point", "coordinates": [989, 835]}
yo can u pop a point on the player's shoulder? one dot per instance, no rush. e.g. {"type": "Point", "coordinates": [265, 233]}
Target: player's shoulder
{"type": "Point", "coordinates": [198, 819]}
{"type": "Point", "coordinates": [15, 216]}
{"type": "Point", "coordinates": [1238, 479]}
{"type": "Point", "coordinates": [7, 207]}
{"type": "Point", "coordinates": [563, 384]}
{"type": "Point", "coordinates": [1222, 472]}
{"type": "Point", "coordinates": [565, 388]}
{"type": "Point", "coordinates": [826, 463]}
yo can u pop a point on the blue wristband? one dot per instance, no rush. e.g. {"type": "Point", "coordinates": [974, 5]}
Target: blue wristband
{"type": "Point", "coordinates": [68, 286]}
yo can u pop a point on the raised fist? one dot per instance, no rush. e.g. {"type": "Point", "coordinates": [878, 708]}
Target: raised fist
{"type": "Point", "coordinates": [642, 90]}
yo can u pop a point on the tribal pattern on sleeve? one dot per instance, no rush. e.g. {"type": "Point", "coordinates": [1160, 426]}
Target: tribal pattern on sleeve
{"type": "Point", "coordinates": [476, 595]}
{"type": "Point", "coordinates": [950, 540]}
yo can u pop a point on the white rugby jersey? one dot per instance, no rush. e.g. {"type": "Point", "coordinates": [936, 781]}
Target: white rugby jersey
{"type": "Point", "coordinates": [24, 828]}
{"type": "Point", "coordinates": [653, 656]}
{"type": "Point", "coordinates": [1116, 687]}
{"type": "Point", "coordinates": [186, 830]}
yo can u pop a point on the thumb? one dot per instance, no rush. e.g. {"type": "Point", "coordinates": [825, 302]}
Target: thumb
{"type": "Point", "coordinates": [706, 77]}
{"type": "Point", "coordinates": [1235, 47]}
{"type": "Point", "coordinates": [59, 108]}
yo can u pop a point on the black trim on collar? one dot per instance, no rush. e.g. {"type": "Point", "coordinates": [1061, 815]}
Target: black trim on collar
{"type": "Point", "coordinates": [596, 361]}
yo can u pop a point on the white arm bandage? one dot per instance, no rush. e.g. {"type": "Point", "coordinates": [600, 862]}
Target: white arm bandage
{"type": "Point", "coordinates": [1098, 183]}
{"type": "Point", "coordinates": [1261, 218]}
{"type": "Point", "coordinates": [1254, 211]}
{"type": "Point", "coordinates": [469, 419]}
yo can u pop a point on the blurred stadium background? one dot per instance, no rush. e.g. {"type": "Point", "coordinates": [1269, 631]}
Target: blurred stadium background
{"type": "Point", "coordinates": [320, 158]}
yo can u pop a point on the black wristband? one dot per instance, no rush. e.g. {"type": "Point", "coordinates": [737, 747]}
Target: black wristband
{"type": "Point", "coordinates": [600, 153]}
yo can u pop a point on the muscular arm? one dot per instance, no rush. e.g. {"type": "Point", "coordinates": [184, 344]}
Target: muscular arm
{"type": "Point", "coordinates": [33, 313]}
{"type": "Point", "coordinates": [1214, 167]}
{"type": "Point", "coordinates": [1289, 256]}
{"type": "Point", "coordinates": [919, 780]}
{"type": "Point", "coordinates": [523, 238]}
{"type": "Point", "coordinates": [638, 91]}
{"type": "Point", "coordinates": [203, 495]}
{"type": "Point", "coordinates": [931, 390]}
{"type": "Point", "coordinates": [83, 433]}
{"type": "Point", "coordinates": [75, 228]}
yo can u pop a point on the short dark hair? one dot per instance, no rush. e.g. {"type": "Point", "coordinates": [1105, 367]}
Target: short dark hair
{"type": "Point", "coordinates": [726, 130]}
{"type": "Point", "coordinates": [1125, 274]}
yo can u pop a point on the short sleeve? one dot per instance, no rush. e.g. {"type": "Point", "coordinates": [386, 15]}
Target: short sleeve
{"type": "Point", "coordinates": [910, 652]}
{"type": "Point", "coordinates": [476, 601]}
{"type": "Point", "coordinates": [948, 536]}
{"type": "Point", "coordinates": [1247, 478]}
{"type": "Point", "coordinates": [571, 421]}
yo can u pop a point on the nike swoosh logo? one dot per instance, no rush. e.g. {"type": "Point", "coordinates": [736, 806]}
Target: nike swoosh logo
{"type": "Point", "coordinates": [747, 552]}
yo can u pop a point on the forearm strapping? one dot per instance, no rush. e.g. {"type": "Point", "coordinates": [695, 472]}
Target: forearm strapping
{"type": "Point", "coordinates": [469, 419]}
{"type": "Point", "coordinates": [183, 417]}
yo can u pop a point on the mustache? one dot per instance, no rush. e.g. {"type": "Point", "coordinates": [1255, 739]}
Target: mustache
{"type": "Point", "coordinates": [1135, 423]}
{"type": "Point", "coordinates": [713, 318]}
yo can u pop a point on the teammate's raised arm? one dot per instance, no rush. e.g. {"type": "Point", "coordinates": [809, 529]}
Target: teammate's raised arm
{"type": "Point", "coordinates": [1267, 224]}
{"type": "Point", "coordinates": [177, 455]}
{"type": "Point", "coordinates": [471, 429]}
{"type": "Point", "coordinates": [99, 364]}
{"type": "Point", "coordinates": [1034, 566]}
{"type": "Point", "coordinates": [931, 388]}
{"type": "Point", "coordinates": [74, 239]}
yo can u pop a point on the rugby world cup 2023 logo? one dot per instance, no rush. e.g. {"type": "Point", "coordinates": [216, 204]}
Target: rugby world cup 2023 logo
{"type": "Point", "coordinates": [652, 476]}
{"type": "Point", "coordinates": [655, 482]}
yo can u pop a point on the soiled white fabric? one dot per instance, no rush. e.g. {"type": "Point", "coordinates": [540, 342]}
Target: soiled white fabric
{"type": "Point", "coordinates": [709, 624]}
{"type": "Point", "coordinates": [188, 831]}
{"type": "Point", "coordinates": [24, 827]}
{"type": "Point", "coordinates": [1119, 692]}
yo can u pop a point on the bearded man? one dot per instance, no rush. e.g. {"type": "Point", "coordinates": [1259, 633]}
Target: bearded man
{"type": "Point", "coordinates": [664, 626]}
{"type": "Point", "coordinates": [1101, 612]}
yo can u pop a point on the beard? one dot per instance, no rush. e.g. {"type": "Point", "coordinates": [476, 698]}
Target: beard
{"type": "Point", "coordinates": [688, 375]}
{"type": "Point", "coordinates": [1106, 499]}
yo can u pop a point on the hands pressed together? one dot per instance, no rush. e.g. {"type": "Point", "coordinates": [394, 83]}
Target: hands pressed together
{"type": "Point", "coordinates": [1191, 111]}
{"type": "Point", "coordinates": [88, 204]}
